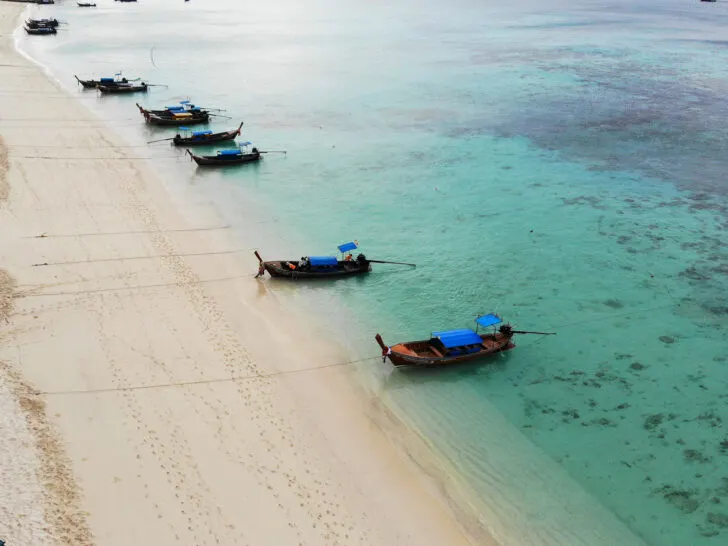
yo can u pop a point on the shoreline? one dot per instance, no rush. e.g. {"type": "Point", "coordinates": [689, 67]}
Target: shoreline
{"type": "Point", "coordinates": [233, 462]}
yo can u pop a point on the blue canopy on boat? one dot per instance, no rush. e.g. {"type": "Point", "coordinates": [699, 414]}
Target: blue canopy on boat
{"type": "Point", "coordinates": [229, 152]}
{"type": "Point", "coordinates": [323, 260]}
{"type": "Point", "coordinates": [488, 320]}
{"type": "Point", "coordinates": [107, 79]}
{"type": "Point", "coordinates": [184, 102]}
{"type": "Point", "coordinates": [458, 338]}
{"type": "Point", "coordinates": [175, 108]}
{"type": "Point", "coordinates": [348, 246]}
{"type": "Point", "coordinates": [200, 133]}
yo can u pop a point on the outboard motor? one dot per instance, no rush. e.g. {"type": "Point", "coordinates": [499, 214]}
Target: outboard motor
{"type": "Point", "coordinates": [506, 330]}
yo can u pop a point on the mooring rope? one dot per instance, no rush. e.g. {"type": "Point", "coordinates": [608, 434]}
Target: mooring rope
{"type": "Point", "coordinates": [205, 381]}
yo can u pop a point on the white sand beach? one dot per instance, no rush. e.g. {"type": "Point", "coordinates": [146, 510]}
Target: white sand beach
{"type": "Point", "coordinates": [137, 404]}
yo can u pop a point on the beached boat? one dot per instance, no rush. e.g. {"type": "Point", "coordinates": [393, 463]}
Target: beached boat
{"type": "Point", "coordinates": [226, 158]}
{"type": "Point", "coordinates": [108, 82]}
{"type": "Point", "coordinates": [322, 267]}
{"type": "Point", "coordinates": [454, 346]}
{"type": "Point", "coordinates": [42, 23]}
{"type": "Point", "coordinates": [41, 31]}
{"type": "Point", "coordinates": [316, 267]}
{"type": "Point", "coordinates": [206, 137]}
{"type": "Point", "coordinates": [123, 88]}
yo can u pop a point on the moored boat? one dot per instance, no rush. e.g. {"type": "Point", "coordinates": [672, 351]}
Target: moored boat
{"type": "Point", "coordinates": [86, 4]}
{"type": "Point", "coordinates": [108, 82]}
{"type": "Point", "coordinates": [206, 137]}
{"type": "Point", "coordinates": [454, 346]}
{"type": "Point", "coordinates": [316, 267]}
{"type": "Point", "coordinates": [227, 158]}
{"type": "Point", "coordinates": [322, 267]}
{"type": "Point", "coordinates": [42, 23]}
{"type": "Point", "coordinates": [123, 88]}
{"type": "Point", "coordinates": [182, 114]}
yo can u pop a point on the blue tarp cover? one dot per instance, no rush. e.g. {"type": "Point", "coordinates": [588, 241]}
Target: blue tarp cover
{"type": "Point", "coordinates": [457, 338]}
{"type": "Point", "coordinates": [348, 246]}
{"type": "Point", "coordinates": [323, 260]}
{"type": "Point", "coordinates": [229, 152]}
{"type": "Point", "coordinates": [488, 320]}
{"type": "Point", "coordinates": [200, 133]}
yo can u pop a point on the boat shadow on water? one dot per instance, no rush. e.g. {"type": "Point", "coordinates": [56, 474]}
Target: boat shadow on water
{"type": "Point", "coordinates": [412, 376]}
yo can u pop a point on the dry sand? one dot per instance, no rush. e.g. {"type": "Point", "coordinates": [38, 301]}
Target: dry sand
{"type": "Point", "coordinates": [120, 422]}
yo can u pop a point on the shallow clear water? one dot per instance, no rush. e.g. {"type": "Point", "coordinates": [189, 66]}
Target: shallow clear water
{"type": "Point", "coordinates": [564, 166]}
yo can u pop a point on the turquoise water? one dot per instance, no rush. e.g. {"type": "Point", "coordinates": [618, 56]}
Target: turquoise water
{"type": "Point", "coordinates": [562, 166]}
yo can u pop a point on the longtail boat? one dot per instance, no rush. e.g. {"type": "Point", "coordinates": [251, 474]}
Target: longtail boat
{"type": "Point", "coordinates": [108, 82]}
{"type": "Point", "coordinates": [183, 114]}
{"type": "Point", "coordinates": [454, 346]}
{"type": "Point", "coordinates": [206, 137]}
{"type": "Point", "coordinates": [86, 4]}
{"type": "Point", "coordinates": [41, 31]}
{"type": "Point", "coordinates": [42, 23]}
{"type": "Point", "coordinates": [123, 88]}
{"type": "Point", "coordinates": [226, 158]}
{"type": "Point", "coordinates": [321, 267]}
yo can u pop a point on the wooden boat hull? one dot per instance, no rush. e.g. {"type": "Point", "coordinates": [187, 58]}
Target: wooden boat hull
{"type": "Point", "coordinates": [211, 139]}
{"type": "Point", "coordinates": [217, 161]}
{"type": "Point", "coordinates": [345, 269]}
{"type": "Point", "coordinates": [423, 354]}
{"type": "Point", "coordinates": [154, 119]}
{"type": "Point", "coordinates": [41, 31]}
{"type": "Point", "coordinates": [121, 89]}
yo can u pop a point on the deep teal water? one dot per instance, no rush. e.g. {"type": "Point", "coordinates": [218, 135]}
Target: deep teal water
{"type": "Point", "coordinates": [564, 166]}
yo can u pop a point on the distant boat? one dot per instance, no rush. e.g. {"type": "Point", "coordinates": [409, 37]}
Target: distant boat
{"type": "Point", "coordinates": [108, 82]}
{"type": "Point", "coordinates": [86, 4]}
{"type": "Point", "coordinates": [42, 23]}
{"type": "Point", "coordinates": [227, 158]}
{"type": "Point", "coordinates": [41, 31]}
{"type": "Point", "coordinates": [125, 0]}
{"type": "Point", "coordinates": [123, 88]}
{"type": "Point", "coordinates": [182, 114]}
{"type": "Point", "coordinates": [454, 346]}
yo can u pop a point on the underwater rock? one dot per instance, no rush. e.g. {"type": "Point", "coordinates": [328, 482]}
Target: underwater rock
{"type": "Point", "coordinates": [713, 419]}
{"type": "Point", "coordinates": [604, 422]}
{"type": "Point", "coordinates": [624, 405]}
{"type": "Point", "coordinates": [682, 499]}
{"type": "Point", "coordinates": [694, 274]}
{"type": "Point", "coordinates": [637, 366]}
{"type": "Point", "coordinates": [653, 421]}
{"type": "Point", "coordinates": [693, 455]}
{"type": "Point", "coordinates": [667, 339]}
{"type": "Point", "coordinates": [721, 520]}
{"type": "Point", "coordinates": [570, 413]}
{"type": "Point", "coordinates": [614, 304]}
